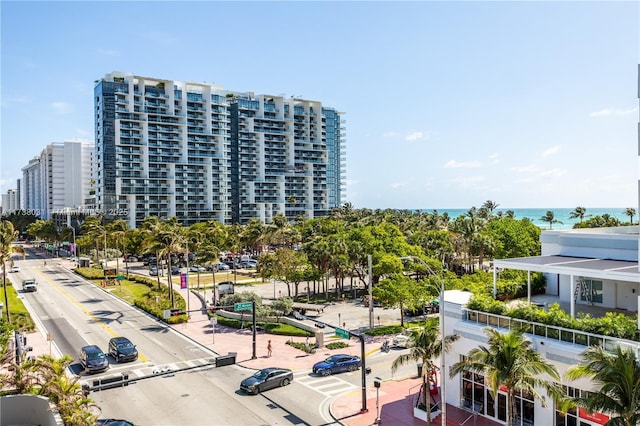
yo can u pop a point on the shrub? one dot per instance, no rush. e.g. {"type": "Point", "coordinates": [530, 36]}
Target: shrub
{"type": "Point", "coordinates": [336, 345]}
{"type": "Point", "coordinates": [302, 346]}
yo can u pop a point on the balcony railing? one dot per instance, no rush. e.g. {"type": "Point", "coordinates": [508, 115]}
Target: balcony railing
{"type": "Point", "coordinates": [551, 332]}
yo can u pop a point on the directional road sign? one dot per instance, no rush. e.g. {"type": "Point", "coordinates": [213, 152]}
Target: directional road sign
{"type": "Point", "coordinates": [341, 332]}
{"type": "Point", "coordinates": [244, 306]}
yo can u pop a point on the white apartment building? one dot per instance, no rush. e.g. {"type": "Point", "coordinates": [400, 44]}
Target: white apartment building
{"type": "Point", "coordinates": [58, 179]}
{"type": "Point", "coordinates": [33, 195]}
{"type": "Point", "coordinates": [10, 201]}
{"type": "Point", "coordinates": [197, 152]}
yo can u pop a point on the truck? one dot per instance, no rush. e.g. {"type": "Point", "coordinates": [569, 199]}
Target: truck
{"type": "Point", "coordinates": [29, 285]}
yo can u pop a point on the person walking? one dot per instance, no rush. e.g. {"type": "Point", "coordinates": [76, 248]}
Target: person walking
{"type": "Point", "coordinates": [306, 345]}
{"type": "Point", "coordinates": [269, 349]}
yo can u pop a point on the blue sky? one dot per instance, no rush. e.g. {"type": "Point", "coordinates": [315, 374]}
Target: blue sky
{"type": "Point", "coordinates": [447, 104]}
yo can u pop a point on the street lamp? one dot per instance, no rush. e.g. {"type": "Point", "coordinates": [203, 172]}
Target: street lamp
{"type": "Point", "coordinates": [443, 403]}
{"type": "Point", "coordinates": [75, 250]}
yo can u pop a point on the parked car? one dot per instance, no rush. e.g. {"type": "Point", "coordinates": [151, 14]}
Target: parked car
{"type": "Point", "coordinates": [153, 272]}
{"type": "Point", "coordinates": [197, 268]}
{"type": "Point", "coordinates": [121, 349]}
{"type": "Point", "coordinates": [93, 359]}
{"type": "Point", "coordinates": [249, 264]}
{"type": "Point", "coordinates": [337, 364]}
{"type": "Point", "coordinates": [29, 285]}
{"type": "Point", "coordinates": [175, 270]}
{"type": "Point", "coordinates": [265, 379]}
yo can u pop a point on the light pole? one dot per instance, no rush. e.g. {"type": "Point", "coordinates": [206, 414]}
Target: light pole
{"type": "Point", "coordinates": [75, 251]}
{"type": "Point", "coordinates": [443, 403]}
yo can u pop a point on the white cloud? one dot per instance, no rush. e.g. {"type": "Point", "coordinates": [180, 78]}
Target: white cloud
{"type": "Point", "coordinates": [550, 151]}
{"type": "Point", "coordinates": [453, 164]}
{"type": "Point", "coordinates": [607, 112]}
{"type": "Point", "coordinates": [471, 182]}
{"type": "Point", "coordinates": [526, 169]}
{"type": "Point", "coordinates": [494, 159]}
{"type": "Point", "coordinates": [412, 136]}
{"type": "Point", "coordinates": [62, 108]}
{"type": "Point", "coordinates": [553, 173]}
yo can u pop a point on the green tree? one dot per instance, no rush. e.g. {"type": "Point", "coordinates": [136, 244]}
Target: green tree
{"type": "Point", "coordinates": [509, 360]}
{"type": "Point", "coordinates": [396, 290]}
{"type": "Point", "coordinates": [579, 212]}
{"type": "Point", "coordinates": [550, 218]}
{"type": "Point", "coordinates": [616, 377]}
{"type": "Point", "coordinates": [8, 235]}
{"type": "Point", "coordinates": [427, 344]}
{"type": "Point", "coordinates": [631, 212]}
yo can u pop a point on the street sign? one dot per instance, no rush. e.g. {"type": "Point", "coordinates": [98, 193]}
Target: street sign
{"type": "Point", "coordinates": [341, 332]}
{"type": "Point", "coordinates": [166, 314]}
{"type": "Point", "coordinates": [120, 277]}
{"type": "Point", "coordinates": [244, 306]}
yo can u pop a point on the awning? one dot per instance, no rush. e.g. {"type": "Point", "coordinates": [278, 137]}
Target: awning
{"type": "Point", "coordinates": [578, 266]}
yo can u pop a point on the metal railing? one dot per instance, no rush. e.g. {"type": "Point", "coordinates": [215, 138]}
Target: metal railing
{"type": "Point", "coordinates": [560, 334]}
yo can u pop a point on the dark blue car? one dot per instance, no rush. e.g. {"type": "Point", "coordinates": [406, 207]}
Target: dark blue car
{"type": "Point", "coordinates": [337, 364]}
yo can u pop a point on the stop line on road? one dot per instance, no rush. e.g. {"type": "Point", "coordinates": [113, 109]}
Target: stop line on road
{"type": "Point", "coordinates": [328, 386]}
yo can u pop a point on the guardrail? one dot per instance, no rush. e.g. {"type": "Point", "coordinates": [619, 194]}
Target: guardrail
{"type": "Point", "coordinates": [551, 332]}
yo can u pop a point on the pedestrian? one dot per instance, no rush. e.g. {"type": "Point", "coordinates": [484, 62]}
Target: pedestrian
{"type": "Point", "coordinates": [306, 344]}
{"type": "Point", "coordinates": [269, 348]}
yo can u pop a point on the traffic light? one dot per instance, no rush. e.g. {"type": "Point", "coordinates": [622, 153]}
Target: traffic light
{"type": "Point", "coordinates": [177, 312]}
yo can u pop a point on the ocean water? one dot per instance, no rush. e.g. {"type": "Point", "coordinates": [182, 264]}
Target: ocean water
{"type": "Point", "coordinates": [561, 214]}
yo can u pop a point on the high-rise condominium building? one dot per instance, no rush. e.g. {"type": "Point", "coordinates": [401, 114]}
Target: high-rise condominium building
{"type": "Point", "coordinates": [60, 178]}
{"type": "Point", "coordinates": [196, 151]}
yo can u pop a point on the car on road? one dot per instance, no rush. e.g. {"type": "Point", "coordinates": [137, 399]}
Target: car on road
{"type": "Point", "coordinates": [29, 285]}
{"type": "Point", "coordinates": [121, 349]}
{"type": "Point", "coordinates": [92, 359]}
{"type": "Point", "coordinates": [265, 379]}
{"type": "Point", "coordinates": [113, 422]}
{"type": "Point", "coordinates": [175, 270]}
{"type": "Point", "coordinates": [14, 269]}
{"type": "Point", "coordinates": [153, 272]}
{"type": "Point", "coordinates": [197, 268]}
{"type": "Point", "coordinates": [337, 364]}
{"type": "Point", "coordinates": [404, 339]}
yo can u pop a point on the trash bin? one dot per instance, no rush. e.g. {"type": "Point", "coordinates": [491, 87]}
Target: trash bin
{"type": "Point", "coordinates": [419, 369]}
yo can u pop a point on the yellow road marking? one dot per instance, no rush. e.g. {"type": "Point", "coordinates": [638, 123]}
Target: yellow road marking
{"type": "Point", "coordinates": [83, 309]}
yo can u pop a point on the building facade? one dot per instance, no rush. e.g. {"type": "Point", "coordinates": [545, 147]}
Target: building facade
{"type": "Point", "coordinates": [60, 178]}
{"type": "Point", "coordinates": [10, 201]}
{"type": "Point", "coordinates": [196, 151]}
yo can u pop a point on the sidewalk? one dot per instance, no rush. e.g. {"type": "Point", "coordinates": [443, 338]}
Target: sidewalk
{"type": "Point", "coordinates": [396, 398]}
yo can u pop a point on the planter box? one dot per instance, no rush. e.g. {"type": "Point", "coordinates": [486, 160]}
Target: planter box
{"type": "Point", "coordinates": [421, 414]}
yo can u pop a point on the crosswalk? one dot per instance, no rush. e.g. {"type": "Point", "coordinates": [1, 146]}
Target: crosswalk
{"type": "Point", "coordinates": [144, 370]}
{"type": "Point", "coordinates": [327, 386]}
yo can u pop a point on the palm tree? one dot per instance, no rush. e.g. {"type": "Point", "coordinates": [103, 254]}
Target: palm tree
{"type": "Point", "coordinates": [579, 212]}
{"type": "Point", "coordinates": [510, 361]}
{"type": "Point", "coordinates": [631, 212]}
{"type": "Point", "coordinates": [617, 378]}
{"type": "Point", "coordinates": [427, 344]}
{"type": "Point", "coordinates": [7, 249]}
{"type": "Point", "coordinates": [118, 230]}
{"type": "Point", "coordinates": [550, 217]}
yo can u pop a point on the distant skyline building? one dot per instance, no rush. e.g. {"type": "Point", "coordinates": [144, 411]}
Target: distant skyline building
{"type": "Point", "coordinates": [10, 201]}
{"type": "Point", "coordinates": [197, 151]}
{"type": "Point", "coordinates": [60, 178]}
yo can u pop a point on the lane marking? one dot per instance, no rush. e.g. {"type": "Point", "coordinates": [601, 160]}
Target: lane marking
{"type": "Point", "coordinates": [86, 311]}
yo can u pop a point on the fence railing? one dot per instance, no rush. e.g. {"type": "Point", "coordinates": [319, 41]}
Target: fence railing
{"type": "Point", "coordinates": [561, 334]}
